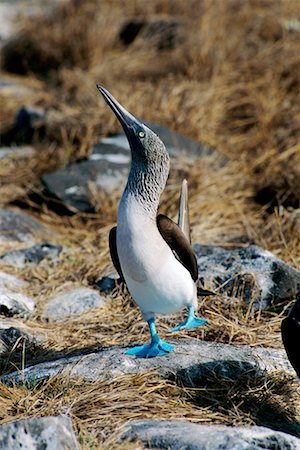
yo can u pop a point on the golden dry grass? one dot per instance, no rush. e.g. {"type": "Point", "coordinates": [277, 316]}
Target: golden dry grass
{"type": "Point", "coordinates": [233, 83]}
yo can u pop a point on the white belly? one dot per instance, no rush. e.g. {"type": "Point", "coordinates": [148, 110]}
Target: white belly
{"type": "Point", "coordinates": [157, 281]}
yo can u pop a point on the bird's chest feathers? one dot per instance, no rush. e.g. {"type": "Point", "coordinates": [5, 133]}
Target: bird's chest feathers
{"type": "Point", "coordinates": [141, 249]}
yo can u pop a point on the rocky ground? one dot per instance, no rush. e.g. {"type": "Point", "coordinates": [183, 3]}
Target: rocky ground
{"type": "Point", "coordinates": [227, 107]}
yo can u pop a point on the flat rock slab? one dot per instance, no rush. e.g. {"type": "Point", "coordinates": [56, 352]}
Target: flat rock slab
{"type": "Point", "coordinates": [16, 226]}
{"type": "Point", "coordinates": [251, 272]}
{"type": "Point", "coordinates": [108, 165]}
{"type": "Point", "coordinates": [37, 433]}
{"type": "Point", "coordinates": [175, 435]}
{"type": "Point", "coordinates": [190, 361]}
{"type": "Point", "coordinates": [32, 255]}
{"type": "Point", "coordinates": [72, 303]}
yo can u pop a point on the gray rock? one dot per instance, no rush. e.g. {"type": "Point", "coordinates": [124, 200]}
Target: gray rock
{"type": "Point", "coordinates": [38, 433]}
{"type": "Point", "coordinates": [14, 303]}
{"type": "Point", "coordinates": [175, 435]}
{"type": "Point", "coordinates": [251, 272]}
{"type": "Point", "coordinates": [14, 152]}
{"type": "Point", "coordinates": [191, 360]}
{"type": "Point", "coordinates": [107, 168]}
{"type": "Point", "coordinates": [16, 226]}
{"type": "Point", "coordinates": [108, 165]}
{"type": "Point", "coordinates": [14, 332]}
{"type": "Point", "coordinates": [10, 281]}
{"type": "Point", "coordinates": [33, 255]}
{"type": "Point", "coordinates": [71, 303]}
{"type": "Point", "coordinates": [11, 11]}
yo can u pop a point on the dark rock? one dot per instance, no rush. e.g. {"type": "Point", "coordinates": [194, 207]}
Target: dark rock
{"type": "Point", "coordinates": [162, 34]}
{"type": "Point", "coordinates": [159, 34]}
{"type": "Point", "coordinates": [51, 433]}
{"type": "Point", "coordinates": [34, 254]}
{"type": "Point", "coordinates": [14, 303]}
{"type": "Point", "coordinates": [130, 30]}
{"type": "Point", "coordinates": [15, 334]}
{"type": "Point", "coordinates": [177, 435]}
{"type": "Point", "coordinates": [28, 122]}
{"type": "Point", "coordinates": [71, 303]}
{"type": "Point", "coordinates": [290, 329]}
{"type": "Point", "coordinates": [11, 335]}
{"type": "Point", "coordinates": [108, 283]}
{"type": "Point", "coordinates": [251, 272]}
{"type": "Point", "coordinates": [191, 360]}
{"type": "Point", "coordinates": [20, 227]}
{"type": "Point", "coordinates": [108, 165]}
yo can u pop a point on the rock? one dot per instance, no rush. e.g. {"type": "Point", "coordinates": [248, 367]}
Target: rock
{"type": "Point", "coordinates": [10, 13]}
{"type": "Point", "coordinates": [108, 165]}
{"type": "Point", "coordinates": [16, 226]}
{"type": "Point", "coordinates": [16, 152]}
{"type": "Point", "coordinates": [28, 122]}
{"type": "Point", "coordinates": [252, 272]}
{"type": "Point", "coordinates": [51, 433]}
{"type": "Point", "coordinates": [10, 281]}
{"type": "Point", "coordinates": [290, 329]}
{"type": "Point", "coordinates": [108, 283]}
{"type": "Point", "coordinates": [34, 254]}
{"type": "Point", "coordinates": [14, 303]}
{"type": "Point", "coordinates": [191, 360]}
{"type": "Point", "coordinates": [160, 34]}
{"type": "Point", "coordinates": [177, 435]}
{"type": "Point", "coordinates": [71, 303]}
{"type": "Point", "coordinates": [12, 338]}
{"type": "Point", "coordinates": [14, 332]}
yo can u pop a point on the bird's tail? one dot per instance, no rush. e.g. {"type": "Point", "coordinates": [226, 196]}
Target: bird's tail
{"type": "Point", "coordinates": [183, 212]}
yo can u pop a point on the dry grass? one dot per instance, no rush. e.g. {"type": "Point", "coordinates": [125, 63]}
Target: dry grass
{"type": "Point", "coordinates": [232, 81]}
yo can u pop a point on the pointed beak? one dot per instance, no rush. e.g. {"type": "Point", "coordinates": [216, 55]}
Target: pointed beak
{"type": "Point", "coordinates": [130, 124]}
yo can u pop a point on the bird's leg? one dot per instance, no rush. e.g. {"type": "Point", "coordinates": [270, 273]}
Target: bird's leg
{"type": "Point", "coordinates": [191, 321]}
{"type": "Point", "coordinates": [156, 347]}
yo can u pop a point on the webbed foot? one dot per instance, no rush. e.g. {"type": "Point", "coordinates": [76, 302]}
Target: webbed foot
{"type": "Point", "coordinates": [190, 322]}
{"type": "Point", "coordinates": [151, 350]}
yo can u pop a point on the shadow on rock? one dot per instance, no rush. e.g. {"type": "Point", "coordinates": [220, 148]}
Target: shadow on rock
{"type": "Point", "coordinates": [20, 356]}
{"type": "Point", "coordinates": [242, 390]}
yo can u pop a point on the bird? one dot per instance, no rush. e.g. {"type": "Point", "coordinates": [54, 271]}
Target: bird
{"type": "Point", "coordinates": [150, 251]}
{"type": "Point", "coordinates": [290, 332]}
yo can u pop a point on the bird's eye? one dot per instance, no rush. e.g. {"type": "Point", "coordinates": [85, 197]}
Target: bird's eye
{"type": "Point", "coordinates": [142, 134]}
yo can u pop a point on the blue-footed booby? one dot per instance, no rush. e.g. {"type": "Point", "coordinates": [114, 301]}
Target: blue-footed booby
{"type": "Point", "coordinates": [152, 253]}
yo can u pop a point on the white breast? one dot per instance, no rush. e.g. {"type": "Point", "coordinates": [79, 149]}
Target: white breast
{"type": "Point", "coordinates": [157, 281]}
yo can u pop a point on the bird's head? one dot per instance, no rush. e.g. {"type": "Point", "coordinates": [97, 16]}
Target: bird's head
{"type": "Point", "coordinates": [147, 150]}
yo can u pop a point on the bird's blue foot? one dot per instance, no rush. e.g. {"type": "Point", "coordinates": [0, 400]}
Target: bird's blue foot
{"type": "Point", "coordinates": [157, 347]}
{"type": "Point", "coordinates": [190, 322]}
{"type": "Point", "coordinates": [151, 350]}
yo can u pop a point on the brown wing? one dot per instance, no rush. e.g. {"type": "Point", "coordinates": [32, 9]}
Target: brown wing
{"type": "Point", "coordinates": [114, 252]}
{"type": "Point", "coordinates": [177, 241]}
{"type": "Point", "coordinates": [290, 330]}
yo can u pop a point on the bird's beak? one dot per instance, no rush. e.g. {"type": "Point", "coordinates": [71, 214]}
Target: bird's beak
{"type": "Point", "coordinates": [130, 124]}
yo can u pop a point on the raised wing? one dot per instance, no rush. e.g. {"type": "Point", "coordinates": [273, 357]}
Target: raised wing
{"type": "Point", "coordinates": [178, 242]}
{"type": "Point", "coordinates": [183, 211]}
